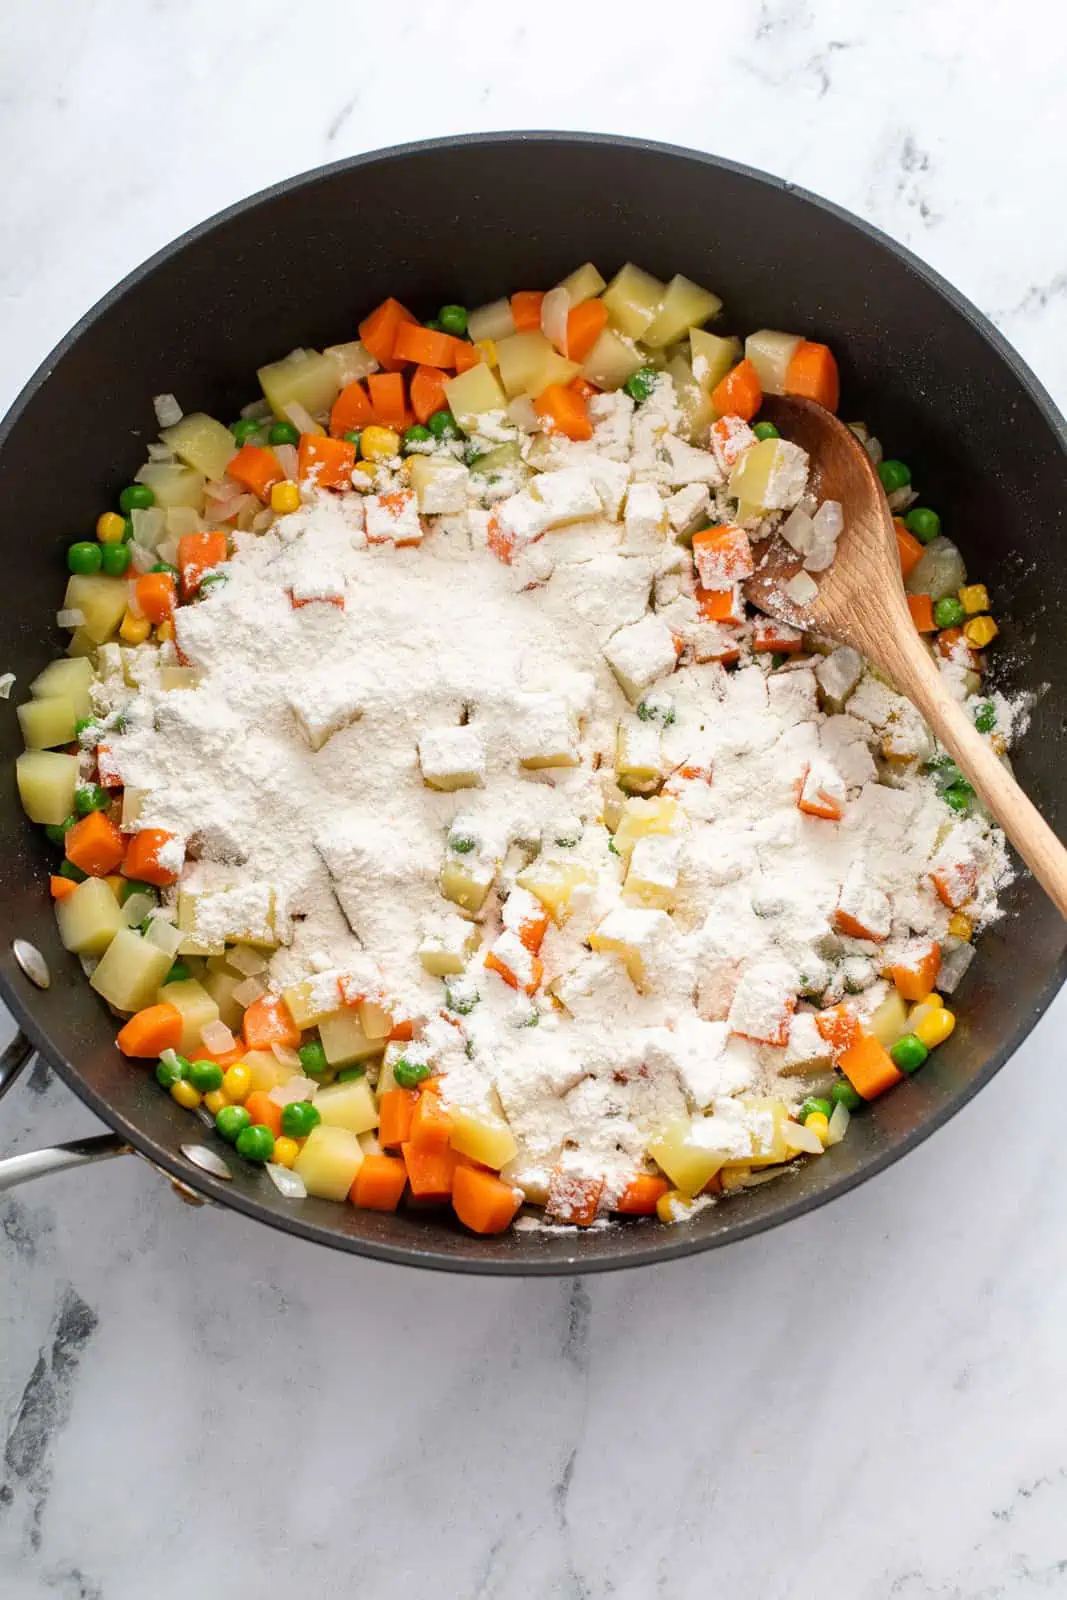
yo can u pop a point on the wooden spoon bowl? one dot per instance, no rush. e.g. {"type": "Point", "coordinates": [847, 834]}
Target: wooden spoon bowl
{"type": "Point", "coordinates": [861, 602]}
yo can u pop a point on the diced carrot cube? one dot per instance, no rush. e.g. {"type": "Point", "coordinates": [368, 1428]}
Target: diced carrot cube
{"type": "Point", "coordinates": [378, 331]}
{"type": "Point", "coordinates": [351, 410]}
{"type": "Point", "coordinates": [921, 607]}
{"type": "Point", "coordinates": [572, 1199]}
{"type": "Point", "coordinates": [483, 1202]}
{"type": "Point", "coordinates": [95, 845]}
{"type": "Point", "coordinates": [395, 1111]}
{"type": "Point", "coordinates": [916, 974]}
{"type": "Point", "coordinates": [142, 858]}
{"type": "Point", "coordinates": [869, 1067]}
{"type": "Point", "coordinates": [379, 1183]}
{"type": "Point", "coordinates": [639, 1197]}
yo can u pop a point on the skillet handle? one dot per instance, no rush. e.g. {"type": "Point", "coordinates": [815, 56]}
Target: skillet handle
{"type": "Point", "coordinates": [38, 1163]}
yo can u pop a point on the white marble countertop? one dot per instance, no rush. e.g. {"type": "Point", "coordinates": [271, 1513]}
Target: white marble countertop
{"type": "Point", "coordinates": [869, 1403]}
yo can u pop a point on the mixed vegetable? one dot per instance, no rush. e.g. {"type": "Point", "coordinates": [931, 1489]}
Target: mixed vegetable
{"type": "Point", "coordinates": [333, 1086]}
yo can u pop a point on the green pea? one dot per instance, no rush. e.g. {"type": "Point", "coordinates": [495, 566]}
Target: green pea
{"type": "Point", "coordinates": [461, 843]}
{"type": "Point", "coordinates": [244, 429]}
{"type": "Point", "coordinates": [815, 1102]}
{"type": "Point", "coordinates": [948, 613]}
{"type": "Point", "coordinates": [114, 559]}
{"type": "Point", "coordinates": [909, 1053]}
{"type": "Point", "coordinates": [434, 325]}
{"type": "Point", "coordinates": [894, 475]}
{"type": "Point", "coordinates": [136, 497]}
{"type": "Point", "coordinates": [778, 659]}
{"type": "Point", "coordinates": [84, 558]}
{"type": "Point", "coordinates": [567, 841]}
{"type": "Point", "coordinates": [231, 1121]}
{"type": "Point", "coordinates": [83, 725]}
{"type": "Point", "coordinates": [165, 566]}
{"type": "Point", "coordinates": [443, 425]}
{"type": "Point", "coordinates": [178, 973]}
{"type": "Point", "coordinates": [298, 1119]}
{"type": "Point", "coordinates": [313, 1058]}
{"type": "Point", "coordinates": [416, 434]}
{"type": "Point", "coordinates": [985, 718]}
{"type": "Point", "coordinates": [205, 1075]}
{"type": "Point", "coordinates": [613, 847]}
{"type": "Point", "coordinates": [923, 523]}
{"type": "Point", "coordinates": [958, 795]}
{"type": "Point", "coordinates": [352, 437]}
{"type": "Point", "coordinates": [90, 797]}
{"type": "Point", "coordinates": [255, 1143]}
{"type": "Point", "coordinates": [127, 532]}
{"type": "Point", "coordinates": [349, 1074]}
{"type": "Point", "coordinates": [283, 433]}
{"type": "Point", "coordinates": [57, 831]}
{"type": "Point", "coordinates": [460, 1002]}
{"type": "Point", "coordinates": [75, 874]}
{"type": "Point", "coordinates": [171, 1071]}
{"type": "Point", "coordinates": [453, 320]}
{"type": "Point", "coordinates": [639, 384]}
{"type": "Point", "coordinates": [409, 1073]}
{"type": "Point", "coordinates": [766, 430]}
{"type": "Point", "coordinates": [843, 1094]}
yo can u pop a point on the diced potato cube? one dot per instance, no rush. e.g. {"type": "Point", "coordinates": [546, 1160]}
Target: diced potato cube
{"type": "Point", "coordinates": [73, 680]}
{"type": "Point", "coordinates": [351, 361]}
{"type": "Point", "coordinates": [695, 401]}
{"type": "Point", "coordinates": [440, 486]}
{"type": "Point", "coordinates": [266, 1071]}
{"type": "Point", "coordinates": [611, 361]}
{"type": "Point", "coordinates": [770, 353]}
{"type": "Point", "coordinates": [632, 935]}
{"type": "Point", "coordinates": [653, 876]}
{"type": "Point", "coordinates": [328, 1162]}
{"type": "Point", "coordinates": [132, 805]}
{"type": "Point", "coordinates": [446, 949]}
{"type": "Point", "coordinates": [130, 971]}
{"type": "Point", "coordinates": [554, 883]}
{"type": "Point", "coordinates": [712, 357]}
{"type": "Point", "coordinates": [89, 918]}
{"type": "Point", "coordinates": [313, 998]}
{"type": "Point", "coordinates": [633, 298]}
{"type": "Point", "coordinates": [492, 321]}
{"type": "Point", "coordinates": [246, 914]}
{"type": "Point", "coordinates": [639, 755]}
{"type": "Point", "coordinates": [220, 986]}
{"type": "Point", "coordinates": [547, 733]}
{"type": "Point", "coordinates": [640, 653]}
{"type": "Point", "coordinates": [770, 477]}
{"type": "Point", "coordinates": [471, 393]}
{"type": "Point", "coordinates": [641, 818]}
{"type": "Point", "coordinates": [376, 1022]}
{"type": "Point", "coordinates": [482, 1137]}
{"type": "Point", "coordinates": [687, 1153]}
{"type": "Point", "coordinates": [467, 882]}
{"type": "Point", "coordinates": [348, 1105]}
{"type": "Point", "coordinates": [305, 378]}
{"type": "Point", "coordinates": [890, 1019]}
{"type": "Point", "coordinates": [174, 484]}
{"type": "Point", "coordinates": [806, 1050]}
{"type": "Point", "coordinates": [202, 443]}
{"type": "Point", "coordinates": [343, 1038]}
{"type": "Point", "coordinates": [583, 283]}
{"type": "Point", "coordinates": [197, 1007]}
{"type": "Point", "coordinates": [528, 363]}
{"type": "Point", "coordinates": [324, 704]}
{"type": "Point", "coordinates": [768, 1136]}
{"type": "Point", "coordinates": [47, 723]}
{"type": "Point", "coordinates": [684, 305]}
{"type": "Point", "coordinates": [46, 783]}
{"type": "Point", "coordinates": [452, 758]}
{"type": "Point", "coordinates": [80, 644]}
{"type": "Point", "coordinates": [101, 601]}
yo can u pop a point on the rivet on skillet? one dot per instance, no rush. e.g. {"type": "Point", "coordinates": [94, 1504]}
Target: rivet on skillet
{"type": "Point", "coordinates": [31, 962]}
{"type": "Point", "coordinates": [207, 1160]}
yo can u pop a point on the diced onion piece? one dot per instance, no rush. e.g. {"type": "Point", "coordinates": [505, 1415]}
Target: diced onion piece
{"type": "Point", "coordinates": [839, 1121]}
{"type": "Point", "coordinates": [256, 411]}
{"type": "Point", "coordinates": [72, 618]}
{"type": "Point", "coordinates": [802, 590]}
{"type": "Point", "coordinates": [217, 1036]}
{"type": "Point", "coordinates": [301, 418]}
{"type": "Point", "coordinates": [798, 1136]}
{"type": "Point", "coordinates": [161, 452]}
{"type": "Point", "coordinates": [167, 410]}
{"type": "Point", "coordinates": [286, 1057]}
{"type": "Point", "coordinates": [555, 309]}
{"type": "Point", "coordinates": [149, 526]}
{"type": "Point", "coordinates": [297, 1088]}
{"type": "Point", "coordinates": [242, 958]}
{"type": "Point", "coordinates": [141, 559]}
{"type": "Point", "coordinates": [263, 520]}
{"type": "Point", "coordinates": [7, 683]}
{"type": "Point", "coordinates": [164, 935]}
{"type": "Point", "coordinates": [132, 600]}
{"type": "Point", "coordinates": [89, 964]}
{"type": "Point", "coordinates": [136, 908]}
{"type": "Point", "coordinates": [248, 991]}
{"type": "Point", "coordinates": [289, 1184]}
{"type": "Point", "coordinates": [521, 412]}
{"type": "Point", "coordinates": [167, 549]}
{"type": "Point", "coordinates": [288, 459]}
{"type": "Point", "coordinates": [169, 1058]}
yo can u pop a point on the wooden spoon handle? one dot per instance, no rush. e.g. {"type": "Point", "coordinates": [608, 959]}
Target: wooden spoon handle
{"type": "Point", "coordinates": [917, 676]}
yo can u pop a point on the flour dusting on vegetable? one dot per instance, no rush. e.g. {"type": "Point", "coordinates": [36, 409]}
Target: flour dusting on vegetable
{"type": "Point", "coordinates": [439, 817]}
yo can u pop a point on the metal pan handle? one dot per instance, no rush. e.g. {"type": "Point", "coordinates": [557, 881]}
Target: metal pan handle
{"type": "Point", "coordinates": [39, 1163]}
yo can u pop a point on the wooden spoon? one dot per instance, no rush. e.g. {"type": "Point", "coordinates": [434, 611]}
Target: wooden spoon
{"type": "Point", "coordinates": [861, 603]}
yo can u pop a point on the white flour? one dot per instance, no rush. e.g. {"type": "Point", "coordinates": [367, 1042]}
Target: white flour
{"type": "Point", "coordinates": [292, 771]}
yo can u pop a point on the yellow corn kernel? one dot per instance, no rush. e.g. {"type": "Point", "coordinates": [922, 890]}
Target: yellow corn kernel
{"type": "Point", "coordinates": [960, 926]}
{"type": "Point", "coordinates": [134, 630]}
{"type": "Point", "coordinates": [935, 1027]}
{"type": "Point", "coordinates": [237, 1084]}
{"type": "Point", "coordinates": [165, 632]}
{"type": "Point", "coordinates": [366, 467]}
{"type": "Point", "coordinates": [980, 631]}
{"type": "Point", "coordinates": [820, 1122]}
{"type": "Point", "coordinates": [285, 497]}
{"type": "Point", "coordinates": [974, 597]}
{"type": "Point", "coordinates": [486, 348]}
{"type": "Point", "coordinates": [375, 444]}
{"type": "Point", "coordinates": [118, 886]}
{"type": "Point", "coordinates": [110, 527]}
{"type": "Point", "coordinates": [285, 1152]}
{"type": "Point", "coordinates": [185, 1094]}
{"type": "Point", "coordinates": [674, 1206]}
{"type": "Point", "coordinates": [214, 1101]}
